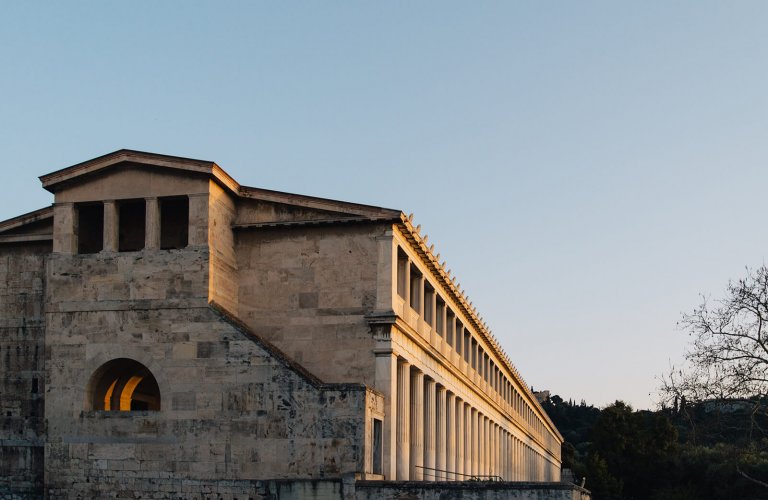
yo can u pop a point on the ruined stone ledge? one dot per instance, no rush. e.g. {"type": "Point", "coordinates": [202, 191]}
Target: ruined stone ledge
{"type": "Point", "coordinates": [127, 305]}
{"type": "Point", "coordinates": [22, 443]}
{"type": "Point", "coordinates": [119, 439]}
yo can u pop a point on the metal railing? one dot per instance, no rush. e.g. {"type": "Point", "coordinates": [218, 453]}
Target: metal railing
{"type": "Point", "coordinates": [448, 475]}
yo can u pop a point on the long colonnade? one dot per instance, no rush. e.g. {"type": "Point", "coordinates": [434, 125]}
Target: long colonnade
{"type": "Point", "coordinates": [457, 407]}
{"type": "Point", "coordinates": [441, 437]}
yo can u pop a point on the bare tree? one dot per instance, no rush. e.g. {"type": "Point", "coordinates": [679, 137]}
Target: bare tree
{"type": "Point", "coordinates": [728, 357]}
{"type": "Point", "coordinates": [727, 360]}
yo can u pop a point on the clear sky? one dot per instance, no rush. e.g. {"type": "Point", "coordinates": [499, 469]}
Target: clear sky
{"type": "Point", "coordinates": [587, 169]}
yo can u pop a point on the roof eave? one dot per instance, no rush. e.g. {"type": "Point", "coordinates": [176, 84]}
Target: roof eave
{"type": "Point", "coordinates": [28, 218]}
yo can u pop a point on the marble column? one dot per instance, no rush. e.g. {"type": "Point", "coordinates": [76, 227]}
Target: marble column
{"type": "Point", "coordinates": [468, 442]}
{"type": "Point", "coordinates": [489, 440]}
{"type": "Point", "coordinates": [403, 449]}
{"type": "Point", "coordinates": [496, 441]}
{"type": "Point", "coordinates": [474, 452]}
{"type": "Point", "coordinates": [504, 463]}
{"type": "Point", "coordinates": [458, 460]}
{"type": "Point", "coordinates": [441, 435]}
{"type": "Point", "coordinates": [512, 458]}
{"type": "Point", "coordinates": [417, 426]}
{"type": "Point", "coordinates": [482, 444]}
{"type": "Point", "coordinates": [450, 435]}
{"type": "Point", "coordinates": [430, 429]}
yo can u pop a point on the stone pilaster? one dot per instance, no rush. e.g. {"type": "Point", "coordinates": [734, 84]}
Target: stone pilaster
{"type": "Point", "coordinates": [386, 383]}
{"type": "Point", "coordinates": [64, 228]}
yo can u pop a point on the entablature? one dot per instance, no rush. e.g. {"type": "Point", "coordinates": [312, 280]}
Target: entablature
{"type": "Point", "coordinates": [409, 239]}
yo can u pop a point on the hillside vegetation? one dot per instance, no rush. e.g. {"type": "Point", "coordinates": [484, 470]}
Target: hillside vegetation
{"type": "Point", "coordinates": [708, 450]}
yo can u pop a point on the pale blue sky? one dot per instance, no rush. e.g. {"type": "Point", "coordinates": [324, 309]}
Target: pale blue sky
{"type": "Point", "coordinates": [586, 168]}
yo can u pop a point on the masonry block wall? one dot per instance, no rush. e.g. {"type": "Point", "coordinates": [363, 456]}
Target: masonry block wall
{"type": "Point", "coordinates": [22, 365]}
{"type": "Point", "coordinates": [308, 291]}
{"type": "Point", "coordinates": [230, 409]}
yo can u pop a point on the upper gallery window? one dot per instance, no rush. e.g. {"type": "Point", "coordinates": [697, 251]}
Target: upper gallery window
{"type": "Point", "coordinates": [90, 227]}
{"type": "Point", "coordinates": [132, 220]}
{"type": "Point", "coordinates": [174, 222]}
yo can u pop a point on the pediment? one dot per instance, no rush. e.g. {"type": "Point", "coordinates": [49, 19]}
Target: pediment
{"type": "Point", "coordinates": [86, 171]}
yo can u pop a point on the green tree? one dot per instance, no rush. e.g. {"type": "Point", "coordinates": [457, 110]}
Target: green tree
{"type": "Point", "coordinates": [637, 447]}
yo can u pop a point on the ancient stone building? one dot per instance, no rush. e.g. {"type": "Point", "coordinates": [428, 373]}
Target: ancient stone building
{"type": "Point", "coordinates": [167, 332]}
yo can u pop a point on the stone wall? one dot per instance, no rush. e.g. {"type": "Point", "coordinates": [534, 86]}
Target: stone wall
{"type": "Point", "coordinates": [223, 274]}
{"type": "Point", "coordinates": [308, 290]}
{"type": "Point", "coordinates": [232, 408]}
{"type": "Point", "coordinates": [22, 365]}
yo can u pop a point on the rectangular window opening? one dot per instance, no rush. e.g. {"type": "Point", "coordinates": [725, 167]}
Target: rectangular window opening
{"type": "Point", "coordinates": [440, 323]}
{"type": "Point", "coordinates": [174, 223]}
{"type": "Point", "coordinates": [415, 288]}
{"type": "Point", "coordinates": [90, 227]}
{"type": "Point", "coordinates": [429, 313]}
{"type": "Point", "coordinates": [132, 219]}
{"type": "Point", "coordinates": [402, 268]}
{"type": "Point", "coordinates": [450, 330]}
{"type": "Point", "coordinates": [465, 336]}
{"type": "Point", "coordinates": [378, 449]}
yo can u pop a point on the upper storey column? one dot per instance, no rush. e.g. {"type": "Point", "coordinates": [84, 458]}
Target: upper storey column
{"type": "Point", "coordinates": [111, 226]}
{"type": "Point", "coordinates": [152, 224]}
